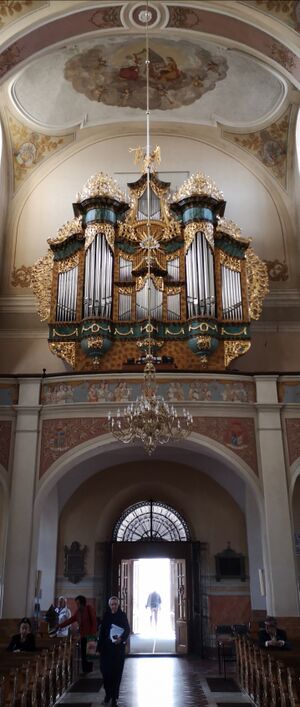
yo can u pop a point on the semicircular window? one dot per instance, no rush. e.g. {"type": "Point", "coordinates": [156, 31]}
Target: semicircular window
{"type": "Point", "coordinates": [151, 521]}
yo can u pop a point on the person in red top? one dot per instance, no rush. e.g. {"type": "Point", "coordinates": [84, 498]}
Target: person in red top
{"type": "Point", "coordinates": [86, 618]}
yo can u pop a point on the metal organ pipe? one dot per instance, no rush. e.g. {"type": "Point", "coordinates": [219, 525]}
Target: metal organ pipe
{"type": "Point", "coordinates": [98, 279]}
{"type": "Point", "coordinates": [231, 294]}
{"type": "Point", "coordinates": [200, 281]}
{"type": "Point", "coordinates": [67, 295]}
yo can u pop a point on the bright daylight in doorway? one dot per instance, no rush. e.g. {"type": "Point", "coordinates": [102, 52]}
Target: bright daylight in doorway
{"type": "Point", "coordinates": [153, 617]}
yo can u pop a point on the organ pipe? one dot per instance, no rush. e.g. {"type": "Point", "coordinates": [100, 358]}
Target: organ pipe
{"type": "Point", "coordinates": [200, 283]}
{"type": "Point", "coordinates": [98, 279]}
{"type": "Point", "coordinates": [67, 295]}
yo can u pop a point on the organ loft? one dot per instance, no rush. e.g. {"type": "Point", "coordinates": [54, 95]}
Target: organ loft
{"type": "Point", "coordinates": [203, 287]}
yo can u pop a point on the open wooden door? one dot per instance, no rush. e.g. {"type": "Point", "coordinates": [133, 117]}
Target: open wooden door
{"type": "Point", "coordinates": [126, 591]}
{"type": "Point", "coordinates": [178, 579]}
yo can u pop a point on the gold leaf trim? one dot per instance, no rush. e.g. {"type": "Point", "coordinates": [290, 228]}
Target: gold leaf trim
{"type": "Point", "coordinates": [201, 226]}
{"type": "Point", "coordinates": [65, 336]}
{"type": "Point", "coordinates": [203, 326]}
{"type": "Point", "coordinates": [258, 283]}
{"type": "Point", "coordinates": [126, 290]}
{"type": "Point", "coordinates": [225, 225]}
{"type": "Point", "coordinates": [173, 290]}
{"type": "Point", "coordinates": [71, 262]}
{"type": "Point", "coordinates": [233, 349]}
{"type": "Point", "coordinates": [175, 333]}
{"type": "Point", "coordinates": [157, 281]}
{"type": "Point", "coordinates": [64, 350]}
{"type": "Point", "coordinates": [241, 332]}
{"type": "Point", "coordinates": [106, 229]}
{"type": "Point", "coordinates": [70, 228]}
{"type": "Point", "coordinates": [95, 328]}
{"type": "Point", "coordinates": [124, 333]}
{"type": "Point", "coordinates": [95, 342]}
{"type": "Point", "coordinates": [100, 184]}
{"type": "Point", "coordinates": [41, 284]}
{"type": "Point", "coordinates": [230, 262]}
{"type": "Point", "coordinates": [198, 184]}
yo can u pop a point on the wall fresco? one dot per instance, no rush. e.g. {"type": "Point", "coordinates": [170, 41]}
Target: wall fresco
{"type": "Point", "coordinates": [5, 437]}
{"type": "Point", "coordinates": [31, 148]}
{"type": "Point", "coordinates": [287, 11]}
{"type": "Point", "coordinates": [11, 10]}
{"type": "Point", "coordinates": [269, 146]}
{"type": "Point", "coordinates": [114, 74]}
{"type": "Point", "coordinates": [289, 392]}
{"type": "Point", "coordinates": [103, 391]}
{"type": "Point", "coordinates": [293, 438]}
{"type": "Point", "coordinates": [9, 393]}
{"type": "Point", "coordinates": [61, 435]}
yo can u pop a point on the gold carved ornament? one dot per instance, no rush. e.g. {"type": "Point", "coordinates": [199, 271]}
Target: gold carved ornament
{"type": "Point", "coordinates": [105, 229]}
{"type": "Point", "coordinates": [100, 184]}
{"type": "Point", "coordinates": [71, 228]}
{"type": "Point", "coordinates": [201, 226]}
{"type": "Point", "coordinates": [225, 225]}
{"type": "Point", "coordinates": [204, 342]}
{"type": "Point", "coordinates": [68, 263]}
{"type": "Point", "coordinates": [233, 349]}
{"type": "Point", "coordinates": [198, 184]}
{"type": "Point", "coordinates": [258, 283]}
{"type": "Point", "coordinates": [41, 283]}
{"type": "Point", "coordinates": [173, 290]}
{"type": "Point", "coordinates": [95, 342]}
{"type": "Point", "coordinates": [65, 350]}
{"type": "Point", "coordinates": [125, 290]}
{"type": "Point", "coordinates": [230, 262]}
{"type": "Point", "coordinates": [157, 281]}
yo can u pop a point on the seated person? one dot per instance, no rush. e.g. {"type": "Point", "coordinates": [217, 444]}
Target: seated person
{"type": "Point", "coordinates": [24, 640]}
{"type": "Point", "coordinates": [271, 636]}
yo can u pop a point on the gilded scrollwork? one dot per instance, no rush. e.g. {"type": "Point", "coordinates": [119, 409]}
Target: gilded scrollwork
{"type": "Point", "coordinates": [230, 262]}
{"type": "Point", "coordinates": [41, 283]}
{"type": "Point", "coordinates": [173, 290]}
{"type": "Point", "coordinates": [94, 229]}
{"type": "Point", "coordinates": [126, 290]}
{"type": "Point", "coordinates": [157, 281]}
{"type": "Point", "coordinates": [233, 349]}
{"type": "Point", "coordinates": [68, 263]}
{"type": "Point", "coordinates": [65, 350]}
{"type": "Point", "coordinates": [198, 184]}
{"type": "Point", "coordinates": [227, 226]}
{"type": "Point", "coordinates": [258, 283]}
{"type": "Point", "coordinates": [204, 343]}
{"type": "Point", "coordinates": [95, 342]}
{"type": "Point", "coordinates": [192, 228]}
{"type": "Point", "coordinates": [100, 184]}
{"type": "Point", "coordinates": [70, 228]}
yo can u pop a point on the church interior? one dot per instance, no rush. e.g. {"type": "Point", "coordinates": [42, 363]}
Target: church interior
{"type": "Point", "coordinates": [150, 275]}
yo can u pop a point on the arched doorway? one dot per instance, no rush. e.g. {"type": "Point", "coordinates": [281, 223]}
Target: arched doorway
{"type": "Point", "coordinates": [152, 553]}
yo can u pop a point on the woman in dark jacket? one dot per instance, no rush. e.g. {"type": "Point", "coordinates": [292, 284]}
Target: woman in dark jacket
{"type": "Point", "coordinates": [24, 640]}
{"type": "Point", "coordinates": [114, 632]}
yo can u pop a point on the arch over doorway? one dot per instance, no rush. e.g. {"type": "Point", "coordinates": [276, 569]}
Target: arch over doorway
{"type": "Point", "coordinates": [151, 521]}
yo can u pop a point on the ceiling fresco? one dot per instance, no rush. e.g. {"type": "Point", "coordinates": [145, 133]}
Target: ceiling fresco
{"type": "Point", "coordinates": [195, 82]}
{"type": "Point", "coordinates": [287, 11]}
{"type": "Point", "coordinates": [11, 10]}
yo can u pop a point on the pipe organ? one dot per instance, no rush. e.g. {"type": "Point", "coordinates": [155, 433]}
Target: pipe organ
{"type": "Point", "coordinates": [204, 286]}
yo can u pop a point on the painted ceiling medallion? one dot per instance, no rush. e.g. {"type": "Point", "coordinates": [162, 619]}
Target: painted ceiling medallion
{"type": "Point", "coordinates": [114, 77]}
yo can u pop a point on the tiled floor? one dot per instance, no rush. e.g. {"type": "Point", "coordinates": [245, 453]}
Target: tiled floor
{"type": "Point", "coordinates": [163, 682]}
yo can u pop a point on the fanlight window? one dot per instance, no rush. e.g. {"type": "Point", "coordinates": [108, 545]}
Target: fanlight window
{"type": "Point", "coordinates": [151, 521]}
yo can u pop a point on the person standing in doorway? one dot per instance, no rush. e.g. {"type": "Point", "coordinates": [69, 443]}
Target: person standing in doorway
{"type": "Point", "coordinates": [154, 604]}
{"type": "Point", "coordinates": [85, 616]}
{"type": "Point", "coordinates": [114, 632]}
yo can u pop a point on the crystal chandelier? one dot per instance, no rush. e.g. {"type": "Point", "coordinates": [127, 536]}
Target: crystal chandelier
{"type": "Point", "coordinates": [150, 419]}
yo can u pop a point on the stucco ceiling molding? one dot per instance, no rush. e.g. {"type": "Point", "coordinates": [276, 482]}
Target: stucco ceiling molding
{"type": "Point", "coordinates": [185, 17]}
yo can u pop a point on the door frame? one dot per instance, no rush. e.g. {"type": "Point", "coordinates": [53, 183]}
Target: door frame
{"type": "Point", "coordinates": [148, 550]}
